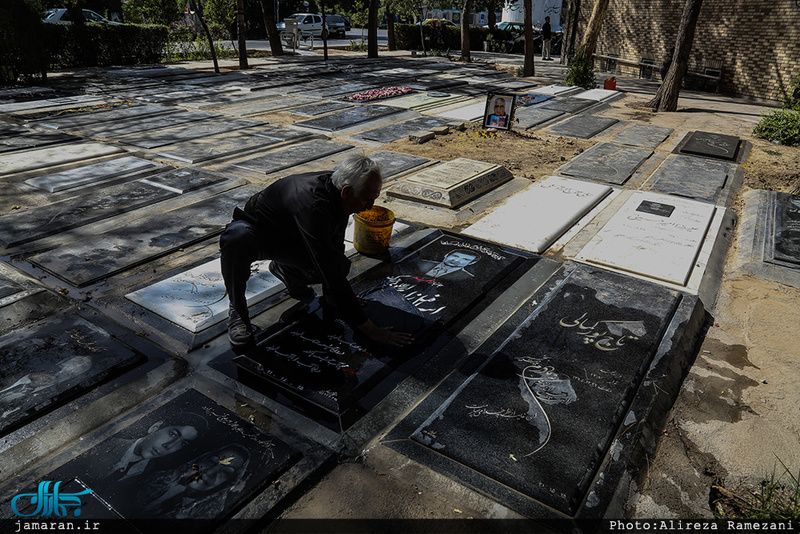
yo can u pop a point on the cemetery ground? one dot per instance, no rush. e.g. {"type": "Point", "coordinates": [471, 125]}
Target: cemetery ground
{"type": "Point", "coordinates": [734, 421]}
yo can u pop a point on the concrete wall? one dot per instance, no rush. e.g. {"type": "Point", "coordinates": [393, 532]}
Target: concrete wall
{"type": "Point", "coordinates": [758, 41]}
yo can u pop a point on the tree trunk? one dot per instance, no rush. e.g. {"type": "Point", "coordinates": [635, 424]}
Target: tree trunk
{"type": "Point", "coordinates": [589, 43]}
{"type": "Point", "coordinates": [390, 41]}
{"type": "Point", "coordinates": [666, 98]}
{"type": "Point", "coordinates": [242, 31]}
{"type": "Point", "coordinates": [528, 69]}
{"type": "Point", "coordinates": [208, 34]}
{"type": "Point", "coordinates": [272, 32]}
{"type": "Point", "coordinates": [372, 28]}
{"type": "Point", "coordinates": [465, 11]}
{"type": "Point", "coordinates": [324, 32]}
{"type": "Point", "coordinates": [491, 17]}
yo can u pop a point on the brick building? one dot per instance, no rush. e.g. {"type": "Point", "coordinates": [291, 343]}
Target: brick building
{"type": "Point", "coordinates": [755, 43]}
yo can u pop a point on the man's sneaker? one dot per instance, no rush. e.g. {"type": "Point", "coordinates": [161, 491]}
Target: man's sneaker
{"type": "Point", "coordinates": [300, 292]}
{"type": "Point", "coordinates": [239, 332]}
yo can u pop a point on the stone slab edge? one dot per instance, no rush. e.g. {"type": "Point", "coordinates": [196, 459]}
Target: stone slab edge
{"type": "Point", "coordinates": [455, 197]}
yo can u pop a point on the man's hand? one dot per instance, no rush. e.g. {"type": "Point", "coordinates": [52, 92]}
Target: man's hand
{"type": "Point", "coordinates": [385, 335]}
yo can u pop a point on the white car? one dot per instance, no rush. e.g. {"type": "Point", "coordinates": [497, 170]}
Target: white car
{"type": "Point", "coordinates": [306, 22]}
{"type": "Point", "coordinates": [62, 16]}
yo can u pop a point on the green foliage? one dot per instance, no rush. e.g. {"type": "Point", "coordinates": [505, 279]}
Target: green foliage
{"type": "Point", "coordinates": [580, 71]}
{"type": "Point", "coordinates": [152, 11]}
{"type": "Point", "coordinates": [791, 99]}
{"type": "Point", "coordinates": [777, 498]}
{"type": "Point", "coordinates": [357, 45]}
{"type": "Point", "coordinates": [221, 12]}
{"type": "Point", "coordinates": [186, 44]}
{"type": "Point", "coordinates": [102, 45]}
{"type": "Point", "coordinates": [781, 125]}
{"type": "Point", "coordinates": [22, 51]}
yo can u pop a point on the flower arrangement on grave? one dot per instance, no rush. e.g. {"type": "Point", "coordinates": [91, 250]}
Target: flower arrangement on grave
{"type": "Point", "coordinates": [375, 94]}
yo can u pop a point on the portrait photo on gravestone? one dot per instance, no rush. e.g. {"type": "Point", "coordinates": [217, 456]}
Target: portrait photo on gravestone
{"type": "Point", "coordinates": [499, 113]}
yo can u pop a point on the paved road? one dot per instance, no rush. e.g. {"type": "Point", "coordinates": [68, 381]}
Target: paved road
{"type": "Point", "coordinates": [354, 34]}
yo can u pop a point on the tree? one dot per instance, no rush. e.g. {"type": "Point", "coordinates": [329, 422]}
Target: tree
{"type": "Point", "coordinates": [666, 98]}
{"type": "Point", "coordinates": [152, 11]}
{"type": "Point", "coordinates": [242, 33]}
{"type": "Point", "coordinates": [199, 14]}
{"type": "Point", "coordinates": [528, 68]}
{"type": "Point", "coordinates": [269, 24]}
{"type": "Point", "coordinates": [372, 29]}
{"type": "Point", "coordinates": [465, 12]}
{"type": "Point", "coordinates": [589, 43]}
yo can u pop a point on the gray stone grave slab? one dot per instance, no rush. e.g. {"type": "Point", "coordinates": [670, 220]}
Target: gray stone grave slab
{"type": "Point", "coordinates": [786, 230]}
{"type": "Point", "coordinates": [690, 177]}
{"type": "Point", "coordinates": [349, 117]}
{"type": "Point", "coordinates": [528, 117]}
{"type": "Point", "coordinates": [567, 104]}
{"type": "Point", "coordinates": [222, 461]}
{"type": "Point", "coordinates": [452, 183]}
{"type": "Point", "coordinates": [293, 155]}
{"type": "Point", "coordinates": [100, 256]}
{"type": "Point", "coordinates": [129, 112]}
{"type": "Point", "coordinates": [141, 124]}
{"type": "Point", "coordinates": [531, 99]}
{"type": "Point", "coordinates": [335, 90]}
{"type": "Point", "coordinates": [36, 223]}
{"type": "Point", "coordinates": [41, 158]}
{"type": "Point", "coordinates": [311, 110]}
{"type": "Point", "coordinates": [267, 103]}
{"type": "Point", "coordinates": [533, 219]}
{"type": "Point", "coordinates": [582, 126]}
{"type": "Point", "coordinates": [556, 90]}
{"type": "Point", "coordinates": [34, 140]}
{"type": "Point", "coordinates": [711, 145]}
{"type": "Point", "coordinates": [394, 163]}
{"type": "Point", "coordinates": [598, 95]}
{"type": "Point", "coordinates": [652, 235]}
{"type": "Point", "coordinates": [196, 299]}
{"type": "Point", "coordinates": [548, 416]}
{"type": "Point", "coordinates": [208, 149]}
{"type": "Point", "coordinates": [47, 362]}
{"type": "Point", "coordinates": [194, 130]}
{"type": "Point", "coordinates": [16, 107]}
{"type": "Point", "coordinates": [321, 363]}
{"type": "Point", "coordinates": [643, 135]}
{"type": "Point", "coordinates": [94, 110]}
{"type": "Point", "coordinates": [393, 132]}
{"type": "Point", "coordinates": [607, 162]}
{"type": "Point", "coordinates": [281, 133]}
{"type": "Point", "coordinates": [9, 130]}
{"type": "Point", "coordinates": [92, 174]}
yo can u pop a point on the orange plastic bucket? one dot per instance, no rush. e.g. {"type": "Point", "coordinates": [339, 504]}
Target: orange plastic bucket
{"type": "Point", "coordinates": [373, 230]}
{"type": "Point", "coordinates": [610, 84]}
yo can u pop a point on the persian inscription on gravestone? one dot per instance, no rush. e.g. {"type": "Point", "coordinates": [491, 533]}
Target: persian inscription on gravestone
{"type": "Point", "coordinates": [47, 362]}
{"type": "Point", "coordinates": [787, 228]}
{"type": "Point", "coordinates": [325, 362]}
{"type": "Point", "coordinates": [188, 459]}
{"type": "Point", "coordinates": [540, 413]}
{"type": "Point", "coordinates": [711, 144]}
{"type": "Point", "coordinates": [450, 174]}
{"type": "Point", "coordinates": [607, 162]}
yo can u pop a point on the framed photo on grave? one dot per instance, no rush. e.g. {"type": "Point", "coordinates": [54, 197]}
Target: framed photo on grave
{"type": "Point", "coordinates": [499, 112]}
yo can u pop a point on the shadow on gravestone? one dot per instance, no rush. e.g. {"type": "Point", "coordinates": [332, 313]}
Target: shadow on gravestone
{"type": "Point", "coordinates": [326, 368]}
{"type": "Point", "coordinates": [190, 459]}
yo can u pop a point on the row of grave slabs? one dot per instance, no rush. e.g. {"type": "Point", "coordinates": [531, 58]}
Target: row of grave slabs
{"type": "Point", "coordinates": [509, 321]}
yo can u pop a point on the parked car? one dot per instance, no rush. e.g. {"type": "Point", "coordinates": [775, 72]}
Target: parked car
{"type": "Point", "coordinates": [442, 22]}
{"type": "Point", "coordinates": [306, 22]}
{"type": "Point", "coordinates": [62, 16]}
{"type": "Point", "coordinates": [347, 24]}
{"type": "Point", "coordinates": [336, 25]}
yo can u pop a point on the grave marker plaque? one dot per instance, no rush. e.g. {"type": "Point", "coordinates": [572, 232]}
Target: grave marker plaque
{"type": "Point", "coordinates": [539, 413]}
{"type": "Point", "coordinates": [293, 155]}
{"type": "Point", "coordinates": [452, 183]}
{"type": "Point", "coordinates": [208, 149]}
{"type": "Point", "coordinates": [142, 124]}
{"type": "Point", "coordinates": [393, 163]}
{"type": "Point", "coordinates": [34, 140]}
{"type": "Point", "coordinates": [319, 108]}
{"type": "Point", "coordinates": [194, 130]}
{"type": "Point", "coordinates": [393, 132]}
{"type": "Point", "coordinates": [607, 162]}
{"type": "Point", "coordinates": [787, 228]}
{"type": "Point", "coordinates": [121, 113]}
{"type": "Point", "coordinates": [218, 463]}
{"type": "Point", "coordinates": [46, 363]}
{"type": "Point", "coordinates": [322, 362]}
{"type": "Point", "coordinates": [529, 117]}
{"type": "Point", "coordinates": [567, 104]}
{"type": "Point", "coordinates": [652, 235]}
{"type": "Point", "coordinates": [349, 117]}
{"type": "Point", "coordinates": [582, 126]}
{"type": "Point", "coordinates": [711, 145]}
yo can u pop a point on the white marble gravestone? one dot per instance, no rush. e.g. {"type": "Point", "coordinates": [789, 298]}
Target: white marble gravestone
{"type": "Point", "coordinates": [555, 90]}
{"type": "Point", "coordinates": [597, 94]}
{"type": "Point", "coordinates": [533, 219]}
{"type": "Point", "coordinates": [91, 174]}
{"type": "Point", "coordinates": [471, 112]}
{"type": "Point", "coordinates": [196, 299]}
{"type": "Point", "coordinates": [29, 160]}
{"type": "Point", "coordinates": [657, 236]}
{"type": "Point", "coordinates": [452, 183]}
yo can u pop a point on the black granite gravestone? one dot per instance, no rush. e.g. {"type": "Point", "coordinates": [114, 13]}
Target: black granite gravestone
{"type": "Point", "coordinates": [711, 145]}
{"type": "Point", "coordinates": [529, 117]}
{"type": "Point", "coordinates": [643, 135]}
{"type": "Point", "coordinates": [531, 99]}
{"type": "Point", "coordinates": [293, 155]}
{"type": "Point", "coordinates": [193, 130]}
{"type": "Point", "coordinates": [34, 140]}
{"type": "Point", "coordinates": [114, 129]}
{"type": "Point", "coordinates": [349, 117]}
{"type": "Point", "coordinates": [319, 108]}
{"type": "Point", "coordinates": [100, 256]}
{"type": "Point", "coordinates": [537, 406]}
{"type": "Point", "coordinates": [787, 228]}
{"type": "Point", "coordinates": [582, 126]}
{"type": "Point", "coordinates": [116, 114]}
{"type": "Point", "coordinates": [208, 149]}
{"type": "Point", "coordinates": [42, 221]}
{"type": "Point", "coordinates": [50, 361]}
{"type": "Point", "coordinates": [607, 162]}
{"type": "Point", "coordinates": [324, 365]}
{"type": "Point", "coordinates": [394, 163]}
{"type": "Point", "coordinates": [393, 132]}
{"type": "Point", "coordinates": [188, 459]}
{"type": "Point", "coordinates": [691, 177]}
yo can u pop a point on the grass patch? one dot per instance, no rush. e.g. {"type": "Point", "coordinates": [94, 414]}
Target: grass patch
{"type": "Point", "coordinates": [782, 125]}
{"type": "Point", "coordinates": [777, 498]}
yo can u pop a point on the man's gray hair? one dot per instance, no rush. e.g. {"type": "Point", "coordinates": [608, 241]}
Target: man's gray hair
{"type": "Point", "coordinates": [356, 170]}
